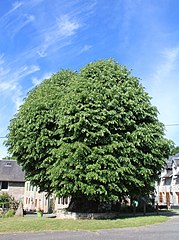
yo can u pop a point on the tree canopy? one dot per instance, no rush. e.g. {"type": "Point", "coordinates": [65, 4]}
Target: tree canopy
{"type": "Point", "coordinates": [175, 150]}
{"type": "Point", "coordinates": [92, 133]}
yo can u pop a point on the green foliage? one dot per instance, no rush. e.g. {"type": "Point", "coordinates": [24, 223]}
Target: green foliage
{"type": "Point", "coordinates": [175, 150]}
{"type": "Point", "coordinates": [93, 134]}
{"type": "Point", "coordinates": [10, 213]}
{"type": "Point", "coordinates": [7, 158]}
{"type": "Point", "coordinates": [7, 201]}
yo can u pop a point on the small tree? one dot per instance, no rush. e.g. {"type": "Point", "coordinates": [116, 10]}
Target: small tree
{"type": "Point", "coordinates": [7, 201]}
{"type": "Point", "coordinates": [92, 135]}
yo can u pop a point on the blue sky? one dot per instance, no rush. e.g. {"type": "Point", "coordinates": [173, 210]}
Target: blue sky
{"type": "Point", "coordinates": [40, 37]}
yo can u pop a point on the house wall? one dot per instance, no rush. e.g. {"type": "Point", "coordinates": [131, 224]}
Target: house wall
{"type": "Point", "coordinates": [33, 199]}
{"type": "Point", "coordinates": [15, 189]}
{"type": "Point", "coordinates": [62, 203]}
{"type": "Point", "coordinates": [167, 188]}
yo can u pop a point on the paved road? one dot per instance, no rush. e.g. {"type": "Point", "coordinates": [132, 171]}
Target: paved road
{"type": "Point", "coordinates": [164, 231]}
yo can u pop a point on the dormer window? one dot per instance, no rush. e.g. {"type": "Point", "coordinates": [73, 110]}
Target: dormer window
{"type": "Point", "coordinates": [8, 164]}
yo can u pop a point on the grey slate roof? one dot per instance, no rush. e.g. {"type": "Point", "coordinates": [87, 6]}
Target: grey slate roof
{"type": "Point", "coordinates": [10, 171]}
{"type": "Point", "coordinates": [168, 174]}
{"type": "Point", "coordinates": [177, 174]}
{"type": "Point", "coordinates": [169, 164]}
{"type": "Point", "coordinates": [176, 162]}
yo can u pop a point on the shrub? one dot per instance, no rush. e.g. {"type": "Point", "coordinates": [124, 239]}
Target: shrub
{"type": "Point", "coordinates": [10, 213]}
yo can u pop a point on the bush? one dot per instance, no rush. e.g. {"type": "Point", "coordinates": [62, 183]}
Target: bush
{"type": "Point", "coordinates": [10, 213]}
{"type": "Point", "coordinates": [7, 201]}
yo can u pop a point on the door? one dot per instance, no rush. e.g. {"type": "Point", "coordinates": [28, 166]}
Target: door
{"type": "Point", "coordinates": [168, 198]}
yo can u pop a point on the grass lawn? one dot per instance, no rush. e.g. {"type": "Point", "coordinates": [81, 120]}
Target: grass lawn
{"type": "Point", "coordinates": [28, 224]}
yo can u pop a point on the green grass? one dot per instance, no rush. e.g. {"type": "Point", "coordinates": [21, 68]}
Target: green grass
{"type": "Point", "coordinates": [28, 224]}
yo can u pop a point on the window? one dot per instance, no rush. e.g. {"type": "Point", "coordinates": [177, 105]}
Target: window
{"type": "Point", "coordinates": [64, 200]}
{"type": "Point", "coordinates": [35, 202]}
{"type": "Point", "coordinates": [27, 186]}
{"type": "Point", "coordinates": [4, 185]}
{"type": "Point", "coordinates": [177, 193]}
{"type": "Point", "coordinates": [161, 197]}
{"type": "Point", "coordinates": [168, 198]}
{"type": "Point", "coordinates": [8, 164]}
{"type": "Point", "coordinates": [40, 203]}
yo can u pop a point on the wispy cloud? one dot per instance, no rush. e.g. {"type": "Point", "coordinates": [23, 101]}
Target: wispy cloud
{"type": "Point", "coordinates": [23, 21]}
{"type": "Point", "coordinates": [86, 48]}
{"type": "Point", "coordinates": [15, 6]}
{"type": "Point", "coordinates": [67, 26]}
{"type": "Point", "coordinates": [10, 81]}
{"type": "Point", "coordinates": [1, 59]}
{"type": "Point", "coordinates": [36, 81]}
{"type": "Point", "coordinates": [25, 71]}
{"type": "Point", "coordinates": [58, 35]}
{"type": "Point", "coordinates": [7, 86]}
{"type": "Point", "coordinates": [130, 9]}
{"type": "Point", "coordinates": [164, 88]}
{"type": "Point", "coordinates": [45, 41]}
{"type": "Point", "coordinates": [170, 57]}
{"type": "Point", "coordinates": [18, 17]}
{"type": "Point", "coordinates": [15, 75]}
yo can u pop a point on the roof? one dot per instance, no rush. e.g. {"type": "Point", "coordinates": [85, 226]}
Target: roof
{"type": "Point", "coordinates": [11, 171]}
{"type": "Point", "coordinates": [177, 174]}
{"type": "Point", "coordinates": [168, 174]}
{"type": "Point", "coordinates": [169, 164]}
{"type": "Point", "coordinates": [176, 161]}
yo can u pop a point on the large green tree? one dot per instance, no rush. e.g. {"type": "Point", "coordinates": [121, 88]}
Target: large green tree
{"type": "Point", "coordinates": [92, 135]}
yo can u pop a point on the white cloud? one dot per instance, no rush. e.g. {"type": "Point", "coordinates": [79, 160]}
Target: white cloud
{"type": "Point", "coordinates": [17, 98]}
{"type": "Point", "coordinates": [17, 17]}
{"type": "Point", "coordinates": [37, 81]}
{"type": "Point", "coordinates": [1, 58]}
{"type": "Point", "coordinates": [67, 26]}
{"type": "Point", "coordinates": [164, 87]}
{"type": "Point", "coordinates": [16, 5]}
{"type": "Point", "coordinates": [25, 5]}
{"type": "Point", "coordinates": [16, 24]}
{"type": "Point", "coordinates": [57, 36]}
{"type": "Point", "coordinates": [86, 48]}
{"type": "Point", "coordinates": [42, 52]}
{"type": "Point", "coordinates": [131, 8]}
{"type": "Point", "coordinates": [10, 82]}
{"type": "Point", "coordinates": [25, 71]}
{"type": "Point", "coordinates": [7, 86]}
{"type": "Point", "coordinates": [170, 57]}
{"type": "Point", "coordinates": [46, 35]}
{"type": "Point", "coordinates": [3, 72]}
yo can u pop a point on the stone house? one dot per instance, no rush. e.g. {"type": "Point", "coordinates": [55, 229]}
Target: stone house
{"type": "Point", "coordinates": [12, 179]}
{"type": "Point", "coordinates": [33, 199]}
{"type": "Point", "coordinates": [167, 188]}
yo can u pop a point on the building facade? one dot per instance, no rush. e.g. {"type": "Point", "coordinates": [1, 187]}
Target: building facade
{"type": "Point", "coordinates": [167, 188]}
{"type": "Point", "coordinates": [33, 199]}
{"type": "Point", "coordinates": [12, 179]}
